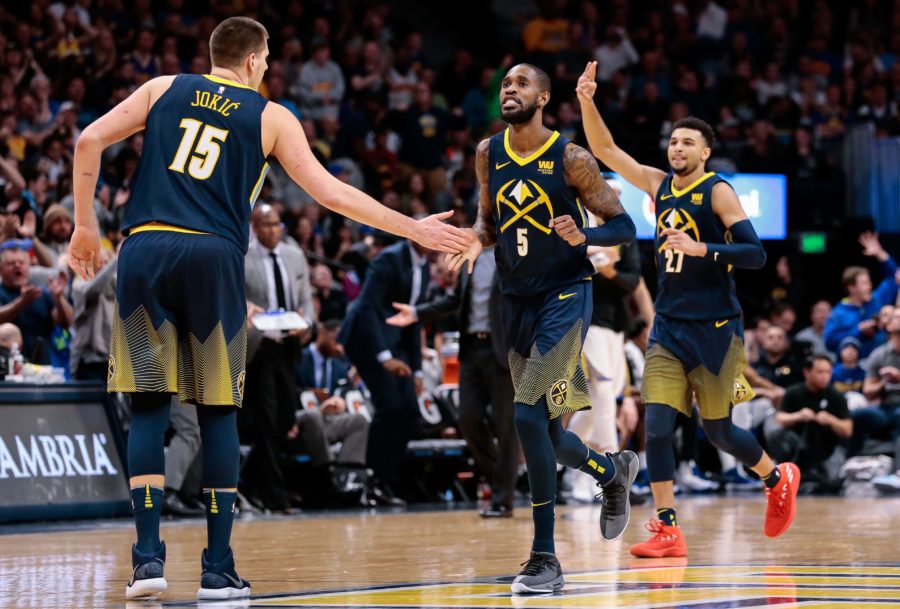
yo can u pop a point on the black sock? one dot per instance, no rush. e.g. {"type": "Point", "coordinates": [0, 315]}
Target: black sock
{"type": "Point", "coordinates": [667, 515]}
{"type": "Point", "coordinates": [543, 527]}
{"type": "Point", "coordinates": [219, 518]}
{"type": "Point", "coordinates": [600, 467]}
{"type": "Point", "coordinates": [772, 479]}
{"type": "Point", "coordinates": [147, 504]}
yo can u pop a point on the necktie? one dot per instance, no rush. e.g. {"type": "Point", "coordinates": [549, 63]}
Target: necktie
{"type": "Point", "coordinates": [323, 382]}
{"type": "Point", "coordinates": [279, 283]}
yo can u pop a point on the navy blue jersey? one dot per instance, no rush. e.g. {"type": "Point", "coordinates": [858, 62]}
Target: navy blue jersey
{"type": "Point", "coordinates": [527, 193]}
{"type": "Point", "coordinates": [202, 165]}
{"type": "Point", "coordinates": [691, 287]}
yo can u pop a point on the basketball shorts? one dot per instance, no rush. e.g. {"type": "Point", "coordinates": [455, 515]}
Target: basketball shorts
{"type": "Point", "coordinates": [181, 318]}
{"type": "Point", "coordinates": [545, 334]}
{"type": "Point", "coordinates": [702, 359]}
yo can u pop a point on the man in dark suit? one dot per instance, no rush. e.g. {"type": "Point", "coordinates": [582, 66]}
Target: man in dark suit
{"type": "Point", "coordinates": [483, 376]}
{"type": "Point", "coordinates": [276, 277]}
{"type": "Point", "coordinates": [388, 358]}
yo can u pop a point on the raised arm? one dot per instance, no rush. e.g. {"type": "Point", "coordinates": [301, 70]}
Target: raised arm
{"type": "Point", "coordinates": [283, 137]}
{"type": "Point", "coordinates": [601, 141]}
{"type": "Point", "coordinates": [583, 174]}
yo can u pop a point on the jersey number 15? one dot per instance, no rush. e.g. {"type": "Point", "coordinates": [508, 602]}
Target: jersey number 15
{"type": "Point", "coordinates": [205, 153]}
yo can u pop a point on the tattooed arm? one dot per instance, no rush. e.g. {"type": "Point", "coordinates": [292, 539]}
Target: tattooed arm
{"type": "Point", "coordinates": [486, 225]}
{"type": "Point", "coordinates": [583, 174]}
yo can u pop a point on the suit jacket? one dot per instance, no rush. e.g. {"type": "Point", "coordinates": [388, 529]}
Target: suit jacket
{"type": "Point", "coordinates": [256, 285]}
{"type": "Point", "coordinates": [306, 373]}
{"type": "Point", "coordinates": [458, 301]}
{"type": "Point", "coordinates": [365, 333]}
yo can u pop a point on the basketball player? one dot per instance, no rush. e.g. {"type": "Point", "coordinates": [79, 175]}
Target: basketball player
{"type": "Point", "coordinates": [180, 325]}
{"type": "Point", "coordinates": [535, 185]}
{"type": "Point", "coordinates": [696, 344]}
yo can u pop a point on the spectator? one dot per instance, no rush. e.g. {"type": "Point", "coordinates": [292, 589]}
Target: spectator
{"type": "Point", "coordinates": [57, 231]}
{"type": "Point", "coordinates": [810, 423]}
{"type": "Point", "coordinates": [389, 358]}
{"type": "Point", "coordinates": [35, 310]}
{"type": "Point", "coordinates": [277, 278]}
{"type": "Point", "coordinates": [93, 308]}
{"type": "Point", "coordinates": [783, 316]}
{"type": "Point", "coordinates": [882, 385]}
{"type": "Point", "coordinates": [814, 334]}
{"type": "Point", "coordinates": [321, 84]}
{"type": "Point", "coordinates": [616, 53]}
{"type": "Point", "coordinates": [778, 364]}
{"type": "Point", "coordinates": [330, 299]}
{"type": "Point", "coordinates": [10, 342]}
{"type": "Point", "coordinates": [848, 375]}
{"type": "Point", "coordinates": [423, 132]}
{"type": "Point", "coordinates": [857, 314]}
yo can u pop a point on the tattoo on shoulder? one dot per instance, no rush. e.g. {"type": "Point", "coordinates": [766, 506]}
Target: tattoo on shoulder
{"type": "Point", "coordinates": [486, 223]}
{"type": "Point", "coordinates": [583, 174]}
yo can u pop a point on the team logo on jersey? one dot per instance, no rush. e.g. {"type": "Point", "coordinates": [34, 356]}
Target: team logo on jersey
{"type": "Point", "coordinates": [546, 167]}
{"type": "Point", "coordinates": [524, 198]}
{"type": "Point", "coordinates": [559, 393]}
{"type": "Point", "coordinates": [697, 198]}
{"type": "Point", "coordinates": [678, 219]}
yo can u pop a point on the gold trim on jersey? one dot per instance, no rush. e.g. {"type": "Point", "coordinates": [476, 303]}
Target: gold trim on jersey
{"type": "Point", "coordinates": [584, 218]}
{"type": "Point", "coordinates": [143, 228]}
{"type": "Point", "coordinates": [258, 186]}
{"type": "Point", "coordinates": [697, 182]}
{"type": "Point", "coordinates": [225, 81]}
{"type": "Point", "coordinates": [519, 160]}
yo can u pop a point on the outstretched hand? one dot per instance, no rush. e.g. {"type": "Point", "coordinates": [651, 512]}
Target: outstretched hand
{"type": "Point", "coordinates": [587, 82]}
{"type": "Point", "coordinates": [433, 233]}
{"type": "Point", "coordinates": [455, 260]}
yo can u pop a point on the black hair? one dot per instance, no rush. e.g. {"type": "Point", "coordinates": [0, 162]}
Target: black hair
{"type": "Point", "coordinates": [698, 124]}
{"type": "Point", "coordinates": [812, 359]}
{"type": "Point", "coordinates": [542, 80]}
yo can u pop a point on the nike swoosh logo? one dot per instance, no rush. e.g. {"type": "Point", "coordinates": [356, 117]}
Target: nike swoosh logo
{"type": "Point", "coordinates": [664, 197]}
{"type": "Point", "coordinates": [564, 296]}
{"type": "Point", "coordinates": [719, 324]}
{"type": "Point", "coordinates": [502, 165]}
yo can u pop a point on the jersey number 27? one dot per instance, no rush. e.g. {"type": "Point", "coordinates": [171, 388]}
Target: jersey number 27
{"type": "Point", "coordinates": [205, 153]}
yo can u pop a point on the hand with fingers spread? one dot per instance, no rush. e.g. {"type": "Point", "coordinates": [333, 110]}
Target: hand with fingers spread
{"type": "Point", "coordinates": [405, 316]}
{"type": "Point", "coordinates": [587, 82]}
{"type": "Point", "coordinates": [681, 242]}
{"type": "Point", "coordinates": [456, 260]}
{"type": "Point", "coordinates": [566, 228]}
{"type": "Point", "coordinates": [872, 246]}
{"type": "Point", "coordinates": [434, 233]}
{"type": "Point", "coordinates": [84, 251]}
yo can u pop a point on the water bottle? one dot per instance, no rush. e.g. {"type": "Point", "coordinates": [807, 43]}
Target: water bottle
{"type": "Point", "coordinates": [16, 360]}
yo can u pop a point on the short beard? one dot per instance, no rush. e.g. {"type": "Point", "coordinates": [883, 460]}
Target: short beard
{"type": "Point", "coordinates": [684, 170]}
{"type": "Point", "coordinates": [520, 116]}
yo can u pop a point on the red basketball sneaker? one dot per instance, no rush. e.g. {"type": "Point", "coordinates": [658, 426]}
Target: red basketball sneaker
{"type": "Point", "coordinates": [666, 541]}
{"type": "Point", "coordinates": [781, 501]}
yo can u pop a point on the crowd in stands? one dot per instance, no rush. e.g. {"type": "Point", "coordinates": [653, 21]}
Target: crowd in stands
{"type": "Point", "coordinates": [781, 81]}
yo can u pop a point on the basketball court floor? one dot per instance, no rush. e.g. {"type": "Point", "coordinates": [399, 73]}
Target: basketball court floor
{"type": "Point", "coordinates": [840, 553]}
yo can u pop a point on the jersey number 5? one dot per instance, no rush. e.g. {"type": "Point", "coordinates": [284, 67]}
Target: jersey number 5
{"type": "Point", "coordinates": [206, 152]}
{"type": "Point", "coordinates": [674, 260]}
{"type": "Point", "coordinates": [522, 241]}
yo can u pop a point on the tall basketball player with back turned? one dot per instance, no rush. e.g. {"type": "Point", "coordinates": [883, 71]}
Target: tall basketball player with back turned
{"type": "Point", "coordinates": [180, 326]}
{"type": "Point", "coordinates": [534, 185]}
{"type": "Point", "coordinates": [696, 344]}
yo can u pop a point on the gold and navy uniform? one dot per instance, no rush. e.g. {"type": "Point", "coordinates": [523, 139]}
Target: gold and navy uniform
{"type": "Point", "coordinates": [180, 323]}
{"type": "Point", "coordinates": [696, 343]}
{"type": "Point", "coordinates": [545, 281]}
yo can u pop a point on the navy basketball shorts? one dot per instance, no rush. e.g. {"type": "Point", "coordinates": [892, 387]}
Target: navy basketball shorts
{"type": "Point", "coordinates": [181, 318]}
{"type": "Point", "coordinates": [545, 334]}
{"type": "Point", "coordinates": [702, 359]}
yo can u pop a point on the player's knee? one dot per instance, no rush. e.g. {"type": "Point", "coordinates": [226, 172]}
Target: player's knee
{"type": "Point", "coordinates": [660, 428]}
{"type": "Point", "coordinates": [528, 426]}
{"type": "Point", "coordinates": [720, 434]}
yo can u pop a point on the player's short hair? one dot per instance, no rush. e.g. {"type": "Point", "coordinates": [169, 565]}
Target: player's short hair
{"type": "Point", "coordinates": [851, 274]}
{"type": "Point", "coordinates": [234, 39]}
{"type": "Point", "coordinates": [692, 122]}
{"type": "Point", "coordinates": [542, 80]}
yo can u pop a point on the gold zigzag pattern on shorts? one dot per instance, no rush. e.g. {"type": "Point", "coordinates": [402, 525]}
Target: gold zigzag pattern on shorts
{"type": "Point", "coordinates": [146, 359]}
{"type": "Point", "coordinates": [557, 374]}
{"type": "Point", "coordinates": [142, 358]}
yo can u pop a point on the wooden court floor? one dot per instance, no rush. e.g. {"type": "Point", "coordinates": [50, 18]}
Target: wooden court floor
{"type": "Point", "coordinates": [840, 553]}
